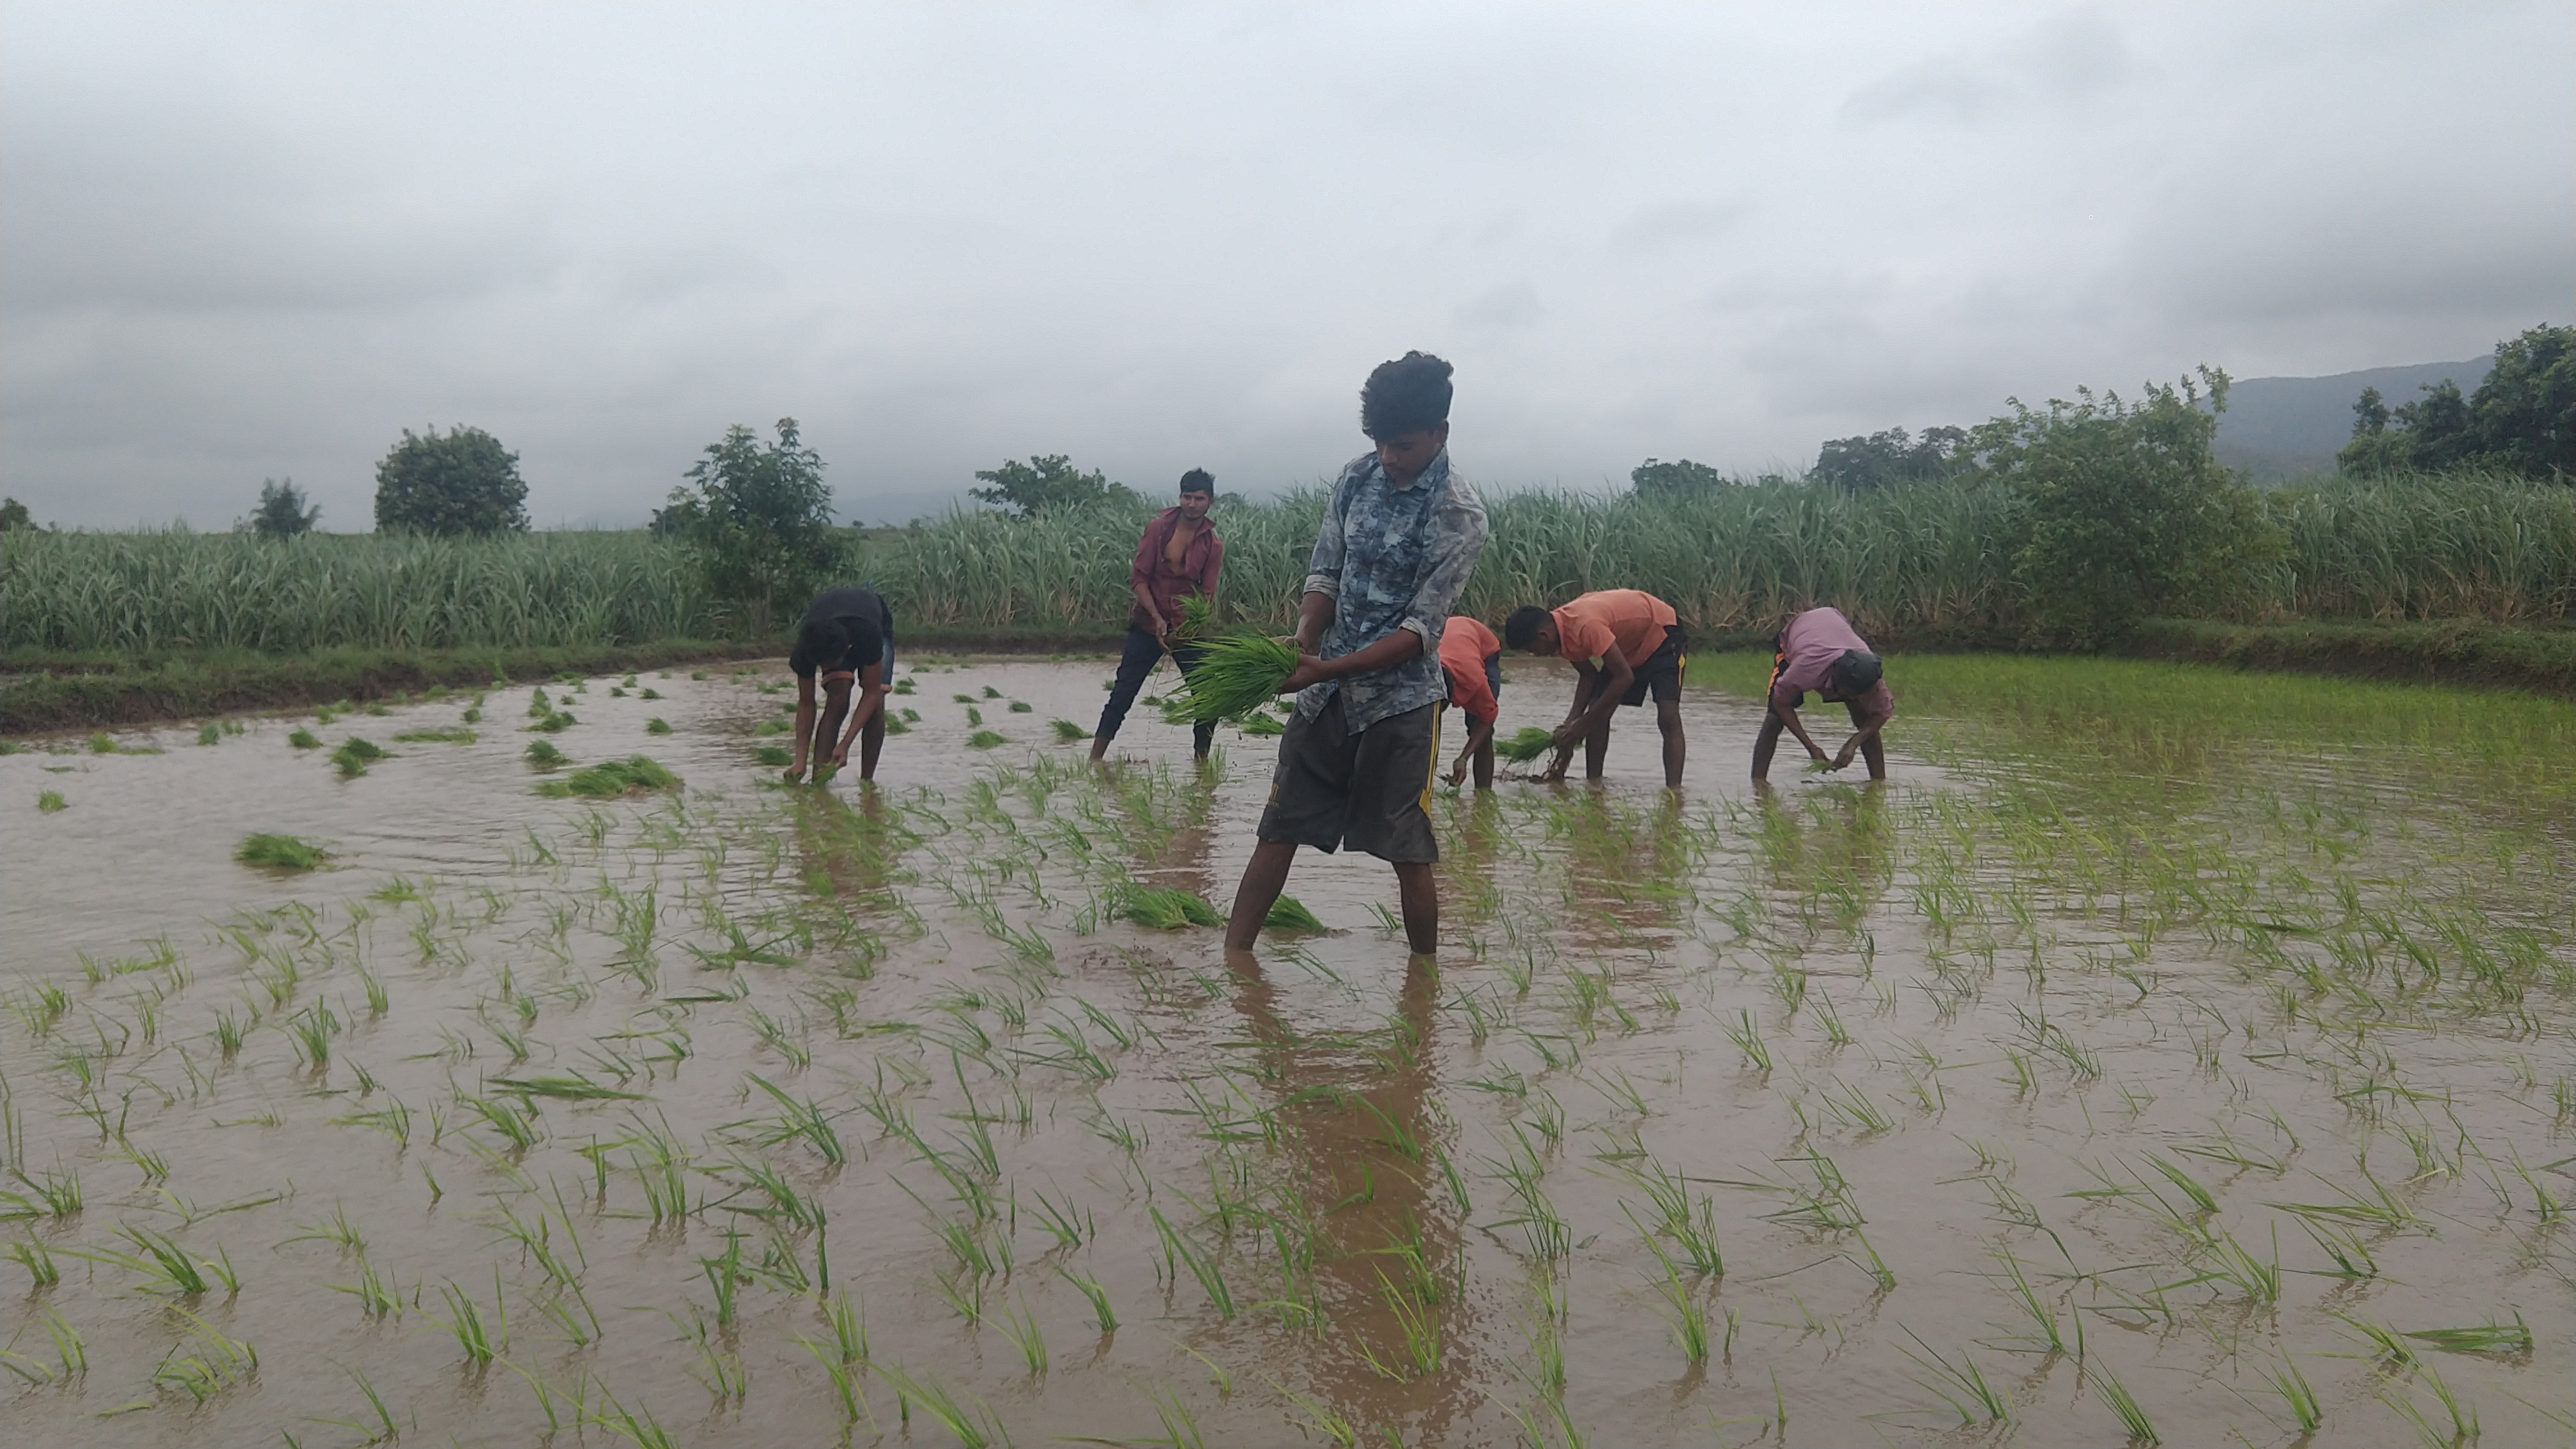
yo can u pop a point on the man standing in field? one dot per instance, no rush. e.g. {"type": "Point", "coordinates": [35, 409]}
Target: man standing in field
{"type": "Point", "coordinates": [1471, 664]}
{"type": "Point", "coordinates": [1818, 650]}
{"type": "Point", "coordinates": [1177, 558]}
{"type": "Point", "coordinates": [847, 638]}
{"type": "Point", "coordinates": [1356, 765]}
{"type": "Point", "coordinates": [1623, 644]}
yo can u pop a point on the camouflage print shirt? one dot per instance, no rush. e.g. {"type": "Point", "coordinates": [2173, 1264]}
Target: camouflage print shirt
{"type": "Point", "coordinates": [1391, 558]}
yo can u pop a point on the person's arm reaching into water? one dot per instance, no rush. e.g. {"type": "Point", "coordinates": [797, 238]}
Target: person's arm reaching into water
{"type": "Point", "coordinates": [1480, 733]}
{"type": "Point", "coordinates": [1788, 717]}
{"type": "Point", "coordinates": [1860, 737]}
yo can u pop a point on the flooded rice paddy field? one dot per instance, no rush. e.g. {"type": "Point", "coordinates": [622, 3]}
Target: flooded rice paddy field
{"type": "Point", "coordinates": [2162, 1052]}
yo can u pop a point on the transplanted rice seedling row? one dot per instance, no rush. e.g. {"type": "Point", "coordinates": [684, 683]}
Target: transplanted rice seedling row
{"type": "Point", "coordinates": [2084, 1112]}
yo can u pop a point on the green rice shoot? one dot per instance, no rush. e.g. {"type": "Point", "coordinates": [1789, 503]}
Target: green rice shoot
{"type": "Point", "coordinates": [1237, 673]}
{"type": "Point", "coordinates": [1164, 908]}
{"type": "Point", "coordinates": [985, 739]}
{"type": "Point", "coordinates": [1263, 724]}
{"type": "Point", "coordinates": [50, 801]}
{"type": "Point", "coordinates": [772, 755]}
{"type": "Point", "coordinates": [279, 852]}
{"type": "Point", "coordinates": [1067, 731]}
{"type": "Point", "coordinates": [544, 755]}
{"type": "Point", "coordinates": [657, 726]}
{"type": "Point", "coordinates": [304, 739]}
{"type": "Point", "coordinates": [1525, 745]}
{"type": "Point", "coordinates": [354, 755]}
{"type": "Point", "coordinates": [1290, 914]}
{"type": "Point", "coordinates": [609, 779]}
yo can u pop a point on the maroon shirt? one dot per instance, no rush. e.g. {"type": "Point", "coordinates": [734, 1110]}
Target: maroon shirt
{"type": "Point", "coordinates": [1196, 575]}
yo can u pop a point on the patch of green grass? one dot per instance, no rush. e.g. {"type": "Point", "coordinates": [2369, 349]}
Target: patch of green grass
{"type": "Point", "coordinates": [544, 755]}
{"type": "Point", "coordinates": [49, 801]}
{"type": "Point", "coordinates": [279, 852]}
{"type": "Point", "coordinates": [612, 778]}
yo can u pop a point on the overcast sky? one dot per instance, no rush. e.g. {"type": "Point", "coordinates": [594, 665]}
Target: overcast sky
{"type": "Point", "coordinates": [245, 241]}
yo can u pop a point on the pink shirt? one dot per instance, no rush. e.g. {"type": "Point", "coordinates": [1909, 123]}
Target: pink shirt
{"type": "Point", "coordinates": [1808, 649]}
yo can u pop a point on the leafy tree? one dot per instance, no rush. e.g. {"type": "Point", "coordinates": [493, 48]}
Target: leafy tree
{"type": "Point", "coordinates": [2130, 514]}
{"type": "Point", "coordinates": [1867, 463]}
{"type": "Point", "coordinates": [759, 519]}
{"type": "Point", "coordinates": [14, 515]}
{"type": "Point", "coordinates": [2522, 419]}
{"type": "Point", "coordinates": [2524, 414]}
{"type": "Point", "coordinates": [463, 483]}
{"type": "Point", "coordinates": [1046, 481]}
{"type": "Point", "coordinates": [1654, 477]}
{"type": "Point", "coordinates": [282, 512]}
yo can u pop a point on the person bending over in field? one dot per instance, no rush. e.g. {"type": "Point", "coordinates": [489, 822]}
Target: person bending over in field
{"type": "Point", "coordinates": [1177, 558]}
{"type": "Point", "coordinates": [847, 638]}
{"type": "Point", "coordinates": [1623, 644]}
{"type": "Point", "coordinates": [1471, 664]}
{"type": "Point", "coordinates": [1818, 650]}
{"type": "Point", "coordinates": [1356, 765]}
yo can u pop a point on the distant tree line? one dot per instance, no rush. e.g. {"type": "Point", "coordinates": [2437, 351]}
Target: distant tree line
{"type": "Point", "coordinates": [2522, 418]}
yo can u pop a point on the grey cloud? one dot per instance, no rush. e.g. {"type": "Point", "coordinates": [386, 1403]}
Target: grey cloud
{"type": "Point", "coordinates": [246, 242]}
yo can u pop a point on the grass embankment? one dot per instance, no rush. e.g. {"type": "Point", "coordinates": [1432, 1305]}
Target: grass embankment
{"type": "Point", "coordinates": [56, 692]}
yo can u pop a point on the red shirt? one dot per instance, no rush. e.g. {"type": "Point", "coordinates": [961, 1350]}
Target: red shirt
{"type": "Point", "coordinates": [1465, 646]}
{"type": "Point", "coordinates": [1631, 621]}
{"type": "Point", "coordinates": [1168, 586]}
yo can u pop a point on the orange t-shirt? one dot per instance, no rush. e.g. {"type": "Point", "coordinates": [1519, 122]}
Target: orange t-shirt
{"type": "Point", "coordinates": [1465, 645]}
{"type": "Point", "coordinates": [1629, 620]}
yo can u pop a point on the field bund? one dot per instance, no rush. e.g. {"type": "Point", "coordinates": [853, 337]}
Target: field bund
{"type": "Point", "coordinates": [2163, 1046]}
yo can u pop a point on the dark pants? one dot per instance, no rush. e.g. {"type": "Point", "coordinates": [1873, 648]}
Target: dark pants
{"type": "Point", "coordinates": [1143, 651]}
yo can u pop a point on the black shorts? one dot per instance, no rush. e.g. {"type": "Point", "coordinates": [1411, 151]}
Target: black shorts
{"type": "Point", "coordinates": [1661, 674]}
{"type": "Point", "coordinates": [1366, 790]}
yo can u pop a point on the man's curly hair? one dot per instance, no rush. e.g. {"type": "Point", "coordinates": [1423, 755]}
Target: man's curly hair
{"type": "Point", "coordinates": [1407, 395]}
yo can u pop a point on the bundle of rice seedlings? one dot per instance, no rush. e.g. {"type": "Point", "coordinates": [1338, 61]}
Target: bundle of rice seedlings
{"type": "Point", "coordinates": [1290, 914]}
{"type": "Point", "coordinates": [1198, 618]}
{"type": "Point", "coordinates": [1067, 731]}
{"type": "Point", "coordinates": [612, 778]}
{"type": "Point", "coordinates": [657, 726]}
{"type": "Point", "coordinates": [894, 724]}
{"type": "Point", "coordinates": [1263, 724]}
{"type": "Point", "coordinates": [49, 801]}
{"type": "Point", "coordinates": [974, 716]}
{"type": "Point", "coordinates": [544, 755]}
{"type": "Point", "coordinates": [1237, 673]}
{"type": "Point", "coordinates": [903, 686]}
{"type": "Point", "coordinates": [1527, 745]}
{"type": "Point", "coordinates": [991, 693]}
{"type": "Point", "coordinates": [354, 755]}
{"type": "Point", "coordinates": [278, 852]}
{"type": "Point", "coordinates": [555, 722]}
{"type": "Point", "coordinates": [304, 739]}
{"type": "Point", "coordinates": [1163, 908]}
{"type": "Point", "coordinates": [985, 739]}
{"type": "Point", "coordinates": [458, 736]}
{"type": "Point", "coordinates": [772, 727]}
{"type": "Point", "coordinates": [1022, 706]}
{"type": "Point", "coordinates": [771, 755]}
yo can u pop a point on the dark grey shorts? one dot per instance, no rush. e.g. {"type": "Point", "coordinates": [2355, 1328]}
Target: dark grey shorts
{"type": "Point", "coordinates": [1367, 790]}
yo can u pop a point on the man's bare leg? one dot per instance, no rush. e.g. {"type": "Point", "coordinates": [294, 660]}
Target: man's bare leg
{"type": "Point", "coordinates": [1484, 765]}
{"type": "Point", "coordinates": [1420, 897]}
{"type": "Point", "coordinates": [1596, 751]}
{"type": "Point", "coordinates": [1264, 877]}
{"type": "Point", "coordinates": [1668, 718]}
{"type": "Point", "coordinates": [871, 740]}
{"type": "Point", "coordinates": [1766, 740]}
{"type": "Point", "coordinates": [827, 729]}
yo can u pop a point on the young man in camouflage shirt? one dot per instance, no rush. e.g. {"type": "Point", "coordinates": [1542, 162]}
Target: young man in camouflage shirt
{"type": "Point", "coordinates": [1356, 766]}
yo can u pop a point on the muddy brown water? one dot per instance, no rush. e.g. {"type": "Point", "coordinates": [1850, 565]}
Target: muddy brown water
{"type": "Point", "coordinates": [2207, 1069]}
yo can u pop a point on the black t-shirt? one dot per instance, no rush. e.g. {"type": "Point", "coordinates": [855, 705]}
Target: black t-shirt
{"type": "Point", "coordinates": [864, 620]}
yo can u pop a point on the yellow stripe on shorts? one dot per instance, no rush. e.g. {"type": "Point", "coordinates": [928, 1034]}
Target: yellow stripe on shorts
{"type": "Point", "coordinates": [1432, 777]}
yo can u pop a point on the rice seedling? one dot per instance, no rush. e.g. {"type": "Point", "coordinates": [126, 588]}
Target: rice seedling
{"type": "Point", "coordinates": [657, 725]}
{"type": "Point", "coordinates": [1290, 914]}
{"type": "Point", "coordinates": [1021, 1328]}
{"type": "Point", "coordinates": [1237, 673]}
{"type": "Point", "coordinates": [279, 853]}
{"type": "Point", "coordinates": [478, 1341]}
{"type": "Point", "coordinates": [32, 1255]}
{"type": "Point", "coordinates": [634, 775]}
{"type": "Point", "coordinates": [457, 736]}
{"type": "Point", "coordinates": [304, 739]}
{"type": "Point", "coordinates": [544, 756]}
{"type": "Point", "coordinates": [1526, 744]}
{"type": "Point", "coordinates": [217, 1362]}
{"type": "Point", "coordinates": [555, 722]}
{"type": "Point", "coordinates": [1962, 1385]}
{"type": "Point", "coordinates": [1095, 1295]}
{"type": "Point", "coordinates": [2116, 1394]}
{"type": "Point", "coordinates": [985, 740]}
{"type": "Point", "coordinates": [354, 755]}
{"type": "Point", "coordinates": [771, 755]}
{"type": "Point", "coordinates": [50, 801]}
{"type": "Point", "coordinates": [1162, 908]}
{"type": "Point", "coordinates": [2490, 1339]}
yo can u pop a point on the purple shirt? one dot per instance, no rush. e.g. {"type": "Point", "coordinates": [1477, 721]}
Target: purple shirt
{"type": "Point", "coordinates": [1808, 649]}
